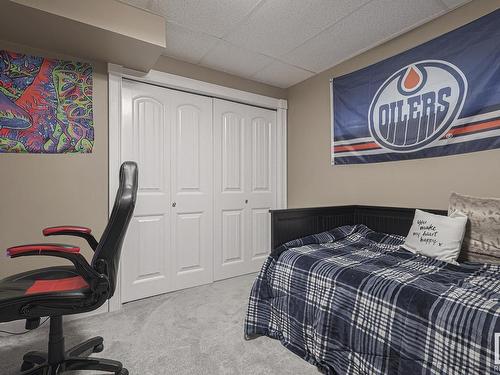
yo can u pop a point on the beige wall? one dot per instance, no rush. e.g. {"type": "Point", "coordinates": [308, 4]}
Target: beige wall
{"type": "Point", "coordinates": [44, 190]}
{"type": "Point", "coordinates": [427, 183]}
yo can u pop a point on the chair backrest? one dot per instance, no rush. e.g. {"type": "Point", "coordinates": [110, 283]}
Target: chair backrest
{"type": "Point", "coordinates": [109, 248]}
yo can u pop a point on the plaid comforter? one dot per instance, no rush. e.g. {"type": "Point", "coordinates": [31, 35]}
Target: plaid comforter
{"type": "Point", "coordinates": [351, 301]}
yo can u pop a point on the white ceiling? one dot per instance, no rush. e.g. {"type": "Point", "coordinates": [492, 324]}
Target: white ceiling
{"type": "Point", "coordinates": [283, 42]}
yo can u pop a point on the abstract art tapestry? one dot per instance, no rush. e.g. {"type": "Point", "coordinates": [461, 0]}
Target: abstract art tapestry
{"type": "Point", "coordinates": [440, 98]}
{"type": "Point", "coordinates": [45, 105]}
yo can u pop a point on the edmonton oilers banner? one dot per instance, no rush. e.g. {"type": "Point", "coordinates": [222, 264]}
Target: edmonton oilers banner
{"type": "Point", "coordinates": [440, 98]}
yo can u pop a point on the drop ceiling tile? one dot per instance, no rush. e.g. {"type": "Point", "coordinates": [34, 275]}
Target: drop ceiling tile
{"type": "Point", "coordinates": [234, 60]}
{"type": "Point", "coordinates": [455, 3]}
{"type": "Point", "coordinates": [372, 24]}
{"type": "Point", "coordinates": [187, 45]}
{"type": "Point", "coordinates": [282, 75]}
{"type": "Point", "coordinates": [278, 26]}
{"type": "Point", "coordinates": [214, 17]}
{"type": "Point", "coordinates": [151, 5]}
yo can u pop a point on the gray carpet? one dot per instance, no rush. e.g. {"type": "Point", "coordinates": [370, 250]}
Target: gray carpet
{"type": "Point", "coordinates": [193, 331]}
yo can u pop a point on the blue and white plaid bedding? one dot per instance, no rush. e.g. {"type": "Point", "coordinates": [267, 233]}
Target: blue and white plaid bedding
{"type": "Point", "coordinates": [351, 301]}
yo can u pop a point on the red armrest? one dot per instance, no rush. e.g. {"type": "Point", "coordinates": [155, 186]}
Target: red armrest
{"type": "Point", "coordinates": [72, 230]}
{"type": "Point", "coordinates": [23, 249]}
{"type": "Point", "coordinates": [99, 283]}
{"type": "Point", "coordinates": [66, 229]}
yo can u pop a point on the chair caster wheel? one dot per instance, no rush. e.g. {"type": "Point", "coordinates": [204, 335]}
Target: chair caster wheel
{"type": "Point", "coordinates": [123, 371]}
{"type": "Point", "coordinates": [98, 348]}
{"type": "Point", "coordinates": [27, 366]}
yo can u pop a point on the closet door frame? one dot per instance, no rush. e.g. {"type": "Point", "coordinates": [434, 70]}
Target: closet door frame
{"type": "Point", "coordinates": [117, 73]}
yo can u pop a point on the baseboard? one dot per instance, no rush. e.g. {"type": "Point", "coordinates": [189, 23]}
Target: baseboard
{"type": "Point", "coordinates": [18, 325]}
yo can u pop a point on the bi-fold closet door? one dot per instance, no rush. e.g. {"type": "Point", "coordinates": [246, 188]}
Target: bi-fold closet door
{"type": "Point", "coordinates": [169, 241]}
{"type": "Point", "coordinates": [245, 186]}
{"type": "Point", "coordinates": [206, 177]}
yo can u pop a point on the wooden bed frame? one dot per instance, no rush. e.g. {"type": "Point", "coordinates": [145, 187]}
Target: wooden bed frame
{"type": "Point", "coordinates": [290, 224]}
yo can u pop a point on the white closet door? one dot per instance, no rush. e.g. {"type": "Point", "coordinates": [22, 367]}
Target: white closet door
{"type": "Point", "coordinates": [245, 186]}
{"type": "Point", "coordinates": [192, 189]}
{"type": "Point", "coordinates": [145, 139]}
{"type": "Point", "coordinates": [169, 241]}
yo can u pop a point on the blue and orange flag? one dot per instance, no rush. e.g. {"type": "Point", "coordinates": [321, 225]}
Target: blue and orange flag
{"type": "Point", "coordinates": [440, 98]}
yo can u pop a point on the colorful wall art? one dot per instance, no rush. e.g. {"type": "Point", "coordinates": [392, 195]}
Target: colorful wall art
{"type": "Point", "coordinates": [45, 105]}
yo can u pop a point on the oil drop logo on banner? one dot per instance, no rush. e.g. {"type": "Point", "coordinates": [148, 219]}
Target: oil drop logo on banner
{"type": "Point", "coordinates": [417, 105]}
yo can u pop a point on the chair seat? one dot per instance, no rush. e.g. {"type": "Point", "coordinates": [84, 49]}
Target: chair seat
{"type": "Point", "coordinates": [44, 284]}
{"type": "Point", "coordinates": [52, 280]}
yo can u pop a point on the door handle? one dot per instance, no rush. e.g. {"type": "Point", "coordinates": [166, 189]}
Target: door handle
{"type": "Point", "coordinates": [174, 204]}
{"type": "Point", "coordinates": [246, 201]}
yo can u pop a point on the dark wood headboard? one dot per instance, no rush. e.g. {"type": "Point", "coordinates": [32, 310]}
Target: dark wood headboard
{"type": "Point", "coordinates": [290, 224]}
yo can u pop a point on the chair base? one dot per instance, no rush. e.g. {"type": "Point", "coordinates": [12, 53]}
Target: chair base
{"type": "Point", "coordinates": [57, 360]}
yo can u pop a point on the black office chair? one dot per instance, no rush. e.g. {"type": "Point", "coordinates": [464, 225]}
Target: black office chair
{"type": "Point", "coordinates": [65, 290]}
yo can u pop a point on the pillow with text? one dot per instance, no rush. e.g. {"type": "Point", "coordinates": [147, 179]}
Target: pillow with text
{"type": "Point", "coordinates": [436, 236]}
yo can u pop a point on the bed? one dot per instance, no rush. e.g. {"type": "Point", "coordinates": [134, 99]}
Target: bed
{"type": "Point", "coordinates": [340, 292]}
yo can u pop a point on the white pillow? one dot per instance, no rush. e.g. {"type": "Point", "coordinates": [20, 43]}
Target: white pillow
{"type": "Point", "coordinates": [436, 236]}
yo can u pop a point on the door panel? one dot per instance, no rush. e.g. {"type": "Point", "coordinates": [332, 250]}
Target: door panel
{"type": "Point", "coordinates": [150, 233]}
{"type": "Point", "coordinates": [148, 130]}
{"type": "Point", "coordinates": [232, 152]}
{"type": "Point", "coordinates": [261, 233]}
{"type": "Point", "coordinates": [192, 190]}
{"type": "Point", "coordinates": [232, 236]}
{"type": "Point", "coordinates": [261, 154]}
{"type": "Point", "coordinates": [169, 134]}
{"type": "Point", "coordinates": [263, 185]}
{"type": "Point", "coordinates": [188, 148]}
{"type": "Point", "coordinates": [146, 276]}
{"type": "Point", "coordinates": [188, 246]}
{"type": "Point", "coordinates": [144, 265]}
{"type": "Point", "coordinates": [245, 187]}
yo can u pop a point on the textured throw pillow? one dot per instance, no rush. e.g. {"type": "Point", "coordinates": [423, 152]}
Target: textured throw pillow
{"type": "Point", "coordinates": [436, 236]}
{"type": "Point", "coordinates": [482, 235]}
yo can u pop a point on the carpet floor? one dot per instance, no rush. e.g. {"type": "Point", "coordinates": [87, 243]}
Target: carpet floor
{"type": "Point", "coordinates": [193, 331]}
